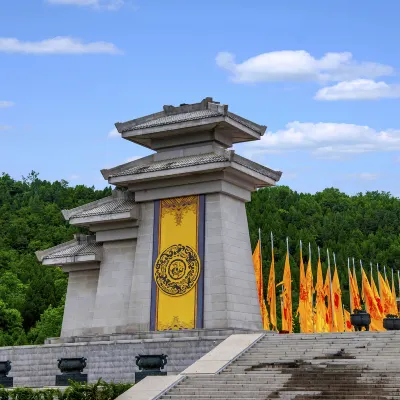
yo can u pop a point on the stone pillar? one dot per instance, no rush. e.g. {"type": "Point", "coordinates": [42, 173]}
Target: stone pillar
{"type": "Point", "coordinates": [140, 298]}
{"type": "Point", "coordinates": [114, 287]}
{"type": "Point", "coordinates": [80, 300]}
{"type": "Point", "coordinates": [230, 298]}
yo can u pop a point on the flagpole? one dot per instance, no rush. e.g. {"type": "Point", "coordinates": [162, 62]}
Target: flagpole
{"type": "Point", "coordinates": [370, 267]}
{"type": "Point", "coordinates": [384, 271]}
{"type": "Point", "coordinates": [272, 242]}
{"type": "Point", "coordinates": [354, 271]}
{"type": "Point", "coordinates": [393, 280]}
{"type": "Point", "coordinates": [330, 289]}
{"type": "Point", "coordinates": [312, 294]}
{"type": "Point", "coordinates": [379, 281]}
{"type": "Point", "coordinates": [362, 285]}
{"type": "Point", "coordinates": [350, 289]}
{"type": "Point", "coordinates": [398, 279]}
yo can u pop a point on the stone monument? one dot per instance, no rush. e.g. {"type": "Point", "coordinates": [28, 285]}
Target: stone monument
{"type": "Point", "coordinates": [170, 249]}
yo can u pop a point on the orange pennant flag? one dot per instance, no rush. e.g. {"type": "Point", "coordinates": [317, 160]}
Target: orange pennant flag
{"type": "Point", "coordinates": [347, 322]}
{"type": "Point", "coordinates": [327, 290]}
{"type": "Point", "coordinates": [257, 262]}
{"type": "Point", "coordinates": [371, 305]}
{"type": "Point", "coordinates": [303, 297]}
{"type": "Point", "coordinates": [271, 293]}
{"type": "Point", "coordinates": [337, 302]}
{"type": "Point", "coordinates": [376, 295]}
{"type": "Point", "coordinates": [287, 317]}
{"type": "Point", "coordinates": [320, 306]}
{"type": "Point", "coordinates": [310, 292]}
{"type": "Point", "coordinates": [354, 294]}
{"type": "Point", "coordinates": [386, 296]}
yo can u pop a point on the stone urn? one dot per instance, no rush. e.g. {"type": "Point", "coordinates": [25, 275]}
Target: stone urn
{"type": "Point", "coordinates": [150, 365]}
{"type": "Point", "coordinates": [5, 368]}
{"type": "Point", "coordinates": [391, 323]}
{"type": "Point", "coordinates": [71, 370]}
{"type": "Point", "coordinates": [360, 319]}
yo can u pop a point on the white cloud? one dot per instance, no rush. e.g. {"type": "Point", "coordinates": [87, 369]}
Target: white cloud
{"type": "Point", "coordinates": [74, 177]}
{"type": "Point", "coordinates": [6, 104]}
{"type": "Point", "coordinates": [111, 5]}
{"type": "Point", "coordinates": [328, 140]}
{"type": "Point", "coordinates": [57, 45]}
{"type": "Point", "coordinates": [365, 176]}
{"type": "Point", "coordinates": [5, 127]}
{"type": "Point", "coordinates": [297, 66]}
{"type": "Point", "coordinates": [114, 133]}
{"type": "Point", "coordinates": [359, 89]}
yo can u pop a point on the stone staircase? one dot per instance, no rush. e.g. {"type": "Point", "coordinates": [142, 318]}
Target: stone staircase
{"type": "Point", "coordinates": [362, 365]}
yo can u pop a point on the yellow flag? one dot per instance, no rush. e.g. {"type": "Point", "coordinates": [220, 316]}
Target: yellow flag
{"type": "Point", "coordinates": [303, 297]}
{"type": "Point", "coordinates": [337, 302]}
{"type": "Point", "coordinates": [354, 294]}
{"type": "Point", "coordinates": [257, 262]}
{"type": "Point", "coordinates": [271, 294]}
{"type": "Point", "coordinates": [287, 318]}
{"type": "Point", "coordinates": [310, 291]}
{"type": "Point", "coordinates": [386, 296]}
{"type": "Point", "coordinates": [320, 306]}
{"type": "Point", "coordinates": [371, 305]}
{"type": "Point", "coordinates": [329, 316]}
{"type": "Point", "coordinates": [376, 295]}
{"type": "Point", "coordinates": [347, 323]}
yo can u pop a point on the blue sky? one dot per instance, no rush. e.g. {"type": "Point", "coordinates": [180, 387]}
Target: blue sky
{"type": "Point", "coordinates": [323, 76]}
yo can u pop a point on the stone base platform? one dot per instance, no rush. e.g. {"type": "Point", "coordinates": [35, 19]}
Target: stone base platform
{"type": "Point", "coordinates": [110, 357]}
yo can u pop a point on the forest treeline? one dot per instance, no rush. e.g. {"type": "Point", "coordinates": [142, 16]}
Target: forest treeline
{"type": "Point", "coordinates": [365, 226]}
{"type": "Point", "coordinates": [32, 296]}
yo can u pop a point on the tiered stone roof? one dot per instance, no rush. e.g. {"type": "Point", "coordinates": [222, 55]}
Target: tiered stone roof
{"type": "Point", "coordinates": [206, 116]}
{"type": "Point", "coordinates": [118, 206]}
{"type": "Point", "coordinates": [82, 248]}
{"type": "Point", "coordinates": [224, 159]}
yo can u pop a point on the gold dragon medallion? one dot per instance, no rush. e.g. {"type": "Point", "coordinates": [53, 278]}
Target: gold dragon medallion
{"type": "Point", "coordinates": [177, 270]}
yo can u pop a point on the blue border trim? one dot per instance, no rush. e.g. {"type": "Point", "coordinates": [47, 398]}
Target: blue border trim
{"type": "Point", "coordinates": [156, 228]}
{"type": "Point", "coordinates": [201, 250]}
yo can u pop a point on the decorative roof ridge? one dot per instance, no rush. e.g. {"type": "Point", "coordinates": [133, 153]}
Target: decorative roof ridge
{"type": "Point", "coordinates": [116, 194]}
{"type": "Point", "coordinates": [210, 157]}
{"type": "Point", "coordinates": [245, 162]}
{"type": "Point", "coordinates": [250, 124]}
{"type": "Point", "coordinates": [122, 167]}
{"type": "Point", "coordinates": [78, 239]}
{"type": "Point", "coordinates": [168, 110]}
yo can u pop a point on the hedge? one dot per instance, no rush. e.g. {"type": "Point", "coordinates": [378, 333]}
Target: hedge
{"type": "Point", "coordinates": [94, 391]}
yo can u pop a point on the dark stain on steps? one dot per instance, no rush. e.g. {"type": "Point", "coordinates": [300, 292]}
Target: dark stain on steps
{"type": "Point", "coordinates": [330, 381]}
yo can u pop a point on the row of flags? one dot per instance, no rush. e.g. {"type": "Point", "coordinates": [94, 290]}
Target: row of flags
{"type": "Point", "coordinates": [325, 313]}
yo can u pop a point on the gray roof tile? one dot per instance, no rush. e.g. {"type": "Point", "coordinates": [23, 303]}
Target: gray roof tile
{"type": "Point", "coordinates": [113, 207]}
{"type": "Point", "coordinates": [174, 163]}
{"type": "Point", "coordinates": [76, 249]}
{"type": "Point", "coordinates": [275, 175]}
{"type": "Point", "coordinates": [173, 119]}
